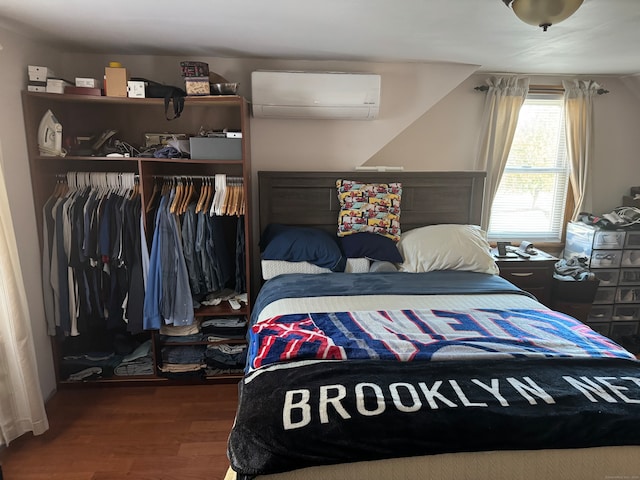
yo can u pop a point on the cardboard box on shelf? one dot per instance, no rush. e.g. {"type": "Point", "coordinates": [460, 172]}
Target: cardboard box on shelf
{"type": "Point", "coordinates": [115, 81]}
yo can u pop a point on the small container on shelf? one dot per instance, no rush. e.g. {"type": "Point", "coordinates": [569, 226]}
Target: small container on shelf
{"type": "Point", "coordinates": [197, 85]}
{"type": "Point", "coordinates": [194, 69]}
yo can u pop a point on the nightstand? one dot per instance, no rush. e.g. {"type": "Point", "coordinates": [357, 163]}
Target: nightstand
{"type": "Point", "coordinates": [533, 274]}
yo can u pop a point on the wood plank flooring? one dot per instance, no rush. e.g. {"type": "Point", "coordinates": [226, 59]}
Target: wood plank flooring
{"type": "Point", "coordinates": [133, 433]}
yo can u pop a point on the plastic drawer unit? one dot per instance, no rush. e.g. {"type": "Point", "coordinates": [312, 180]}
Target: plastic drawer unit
{"type": "Point", "coordinates": [613, 257]}
{"type": "Point", "coordinates": [586, 240]}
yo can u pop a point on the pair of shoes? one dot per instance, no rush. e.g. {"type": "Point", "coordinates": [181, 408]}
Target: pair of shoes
{"type": "Point", "coordinates": [236, 299]}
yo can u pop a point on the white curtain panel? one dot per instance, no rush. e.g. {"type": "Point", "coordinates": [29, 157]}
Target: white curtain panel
{"type": "Point", "coordinates": [578, 107]}
{"type": "Point", "coordinates": [21, 404]}
{"type": "Point", "coordinates": [503, 101]}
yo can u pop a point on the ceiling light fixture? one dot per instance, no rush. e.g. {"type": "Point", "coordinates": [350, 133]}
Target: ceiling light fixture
{"type": "Point", "coordinates": [543, 13]}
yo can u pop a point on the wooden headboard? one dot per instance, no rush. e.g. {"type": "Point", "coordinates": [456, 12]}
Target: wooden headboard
{"type": "Point", "coordinates": [428, 198]}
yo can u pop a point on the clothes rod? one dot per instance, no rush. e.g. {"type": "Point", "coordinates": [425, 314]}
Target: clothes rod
{"type": "Point", "coordinates": [194, 177]}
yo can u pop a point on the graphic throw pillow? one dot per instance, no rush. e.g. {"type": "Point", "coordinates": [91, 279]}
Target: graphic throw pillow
{"type": "Point", "coordinates": [369, 207]}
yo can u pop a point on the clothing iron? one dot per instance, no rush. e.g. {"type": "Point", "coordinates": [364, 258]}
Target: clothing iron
{"type": "Point", "coordinates": [50, 136]}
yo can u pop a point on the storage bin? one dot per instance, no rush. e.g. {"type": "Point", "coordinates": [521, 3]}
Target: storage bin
{"type": "Point", "coordinates": [582, 239]}
{"type": "Point", "coordinates": [626, 312]}
{"type": "Point", "coordinates": [632, 239]}
{"type": "Point", "coordinates": [629, 276]}
{"type": "Point", "coordinates": [605, 295]}
{"type": "Point", "coordinates": [607, 277]}
{"type": "Point", "coordinates": [574, 291]}
{"type": "Point", "coordinates": [197, 86]}
{"type": "Point", "coordinates": [216, 148]}
{"type": "Point", "coordinates": [600, 313]}
{"type": "Point", "coordinates": [628, 295]}
{"type": "Point", "coordinates": [630, 258]}
{"type": "Point", "coordinates": [605, 259]}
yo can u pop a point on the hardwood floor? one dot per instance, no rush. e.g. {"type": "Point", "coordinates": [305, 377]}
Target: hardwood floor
{"type": "Point", "coordinates": [133, 433]}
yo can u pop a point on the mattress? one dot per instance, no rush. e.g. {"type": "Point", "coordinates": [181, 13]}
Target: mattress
{"type": "Point", "coordinates": [395, 375]}
{"type": "Point", "coordinates": [599, 463]}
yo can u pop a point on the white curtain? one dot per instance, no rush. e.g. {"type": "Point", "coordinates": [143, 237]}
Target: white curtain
{"type": "Point", "coordinates": [504, 98]}
{"type": "Point", "coordinates": [578, 107]}
{"type": "Point", "coordinates": [21, 405]}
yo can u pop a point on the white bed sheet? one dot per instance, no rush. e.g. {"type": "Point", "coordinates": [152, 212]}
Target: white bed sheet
{"type": "Point", "coordinates": [395, 302]}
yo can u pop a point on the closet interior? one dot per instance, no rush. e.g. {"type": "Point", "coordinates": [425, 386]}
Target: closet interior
{"type": "Point", "coordinates": [146, 259]}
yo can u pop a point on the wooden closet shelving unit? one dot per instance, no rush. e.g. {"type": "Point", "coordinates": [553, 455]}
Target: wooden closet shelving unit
{"type": "Point", "coordinates": [84, 115]}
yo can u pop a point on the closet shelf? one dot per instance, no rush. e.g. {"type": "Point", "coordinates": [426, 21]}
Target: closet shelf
{"type": "Point", "coordinates": [208, 100]}
{"type": "Point", "coordinates": [220, 310]}
{"type": "Point", "coordinates": [43, 158]}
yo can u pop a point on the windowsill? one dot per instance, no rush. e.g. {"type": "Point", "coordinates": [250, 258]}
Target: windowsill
{"type": "Point", "coordinates": [553, 248]}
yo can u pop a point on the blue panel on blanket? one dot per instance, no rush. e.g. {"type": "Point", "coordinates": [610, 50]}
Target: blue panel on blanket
{"type": "Point", "coordinates": [378, 283]}
{"type": "Point", "coordinates": [436, 334]}
{"type": "Point", "coordinates": [293, 416]}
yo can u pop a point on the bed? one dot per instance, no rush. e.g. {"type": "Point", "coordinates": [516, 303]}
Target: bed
{"type": "Point", "coordinates": [444, 370]}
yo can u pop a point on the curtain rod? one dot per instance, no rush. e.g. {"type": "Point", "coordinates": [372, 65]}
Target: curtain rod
{"type": "Point", "coordinates": [542, 89]}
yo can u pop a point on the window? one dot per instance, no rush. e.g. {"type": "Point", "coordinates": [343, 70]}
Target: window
{"type": "Point", "coordinates": [532, 195]}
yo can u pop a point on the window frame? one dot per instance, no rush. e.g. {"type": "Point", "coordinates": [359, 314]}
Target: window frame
{"type": "Point", "coordinates": [548, 241]}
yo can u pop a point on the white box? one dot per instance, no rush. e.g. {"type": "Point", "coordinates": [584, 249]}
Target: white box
{"type": "Point", "coordinates": [135, 89]}
{"type": "Point", "coordinates": [37, 88]}
{"type": "Point", "coordinates": [56, 85]}
{"type": "Point", "coordinates": [39, 74]}
{"type": "Point", "coordinates": [87, 82]}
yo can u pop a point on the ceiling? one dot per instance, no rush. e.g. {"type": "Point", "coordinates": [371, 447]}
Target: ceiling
{"type": "Point", "coordinates": [602, 37]}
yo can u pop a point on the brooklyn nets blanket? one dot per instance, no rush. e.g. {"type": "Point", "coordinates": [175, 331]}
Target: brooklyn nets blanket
{"type": "Point", "coordinates": [335, 387]}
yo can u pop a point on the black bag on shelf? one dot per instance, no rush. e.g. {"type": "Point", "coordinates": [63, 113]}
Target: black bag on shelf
{"type": "Point", "coordinates": [170, 94]}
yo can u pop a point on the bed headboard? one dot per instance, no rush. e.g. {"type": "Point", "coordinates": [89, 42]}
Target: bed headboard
{"type": "Point", "coordinates": [310, 198]}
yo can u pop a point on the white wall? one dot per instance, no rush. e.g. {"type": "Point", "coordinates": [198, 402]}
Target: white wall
{"type": "Point", "coordinates": [428, 121]}
{"type": "Point", "coordinates": [446, 137]}
{"type": "Point", "coordinates": [16, 54]}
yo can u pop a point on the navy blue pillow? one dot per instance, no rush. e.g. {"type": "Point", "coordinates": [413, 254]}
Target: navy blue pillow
{"type": "Point", "coordinates": [302, 244]}
{"type": "Point", "coordinates": [371, 246]}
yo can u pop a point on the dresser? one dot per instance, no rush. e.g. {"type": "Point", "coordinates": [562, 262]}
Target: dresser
{"type": "Point", "coordinates": [533, 274]}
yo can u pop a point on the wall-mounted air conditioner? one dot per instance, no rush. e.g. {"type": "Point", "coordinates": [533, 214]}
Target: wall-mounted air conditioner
{"type": "Point", "coordinates": [328, 95]}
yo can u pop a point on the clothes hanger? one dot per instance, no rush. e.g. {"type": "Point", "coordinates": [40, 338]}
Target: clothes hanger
{"type": "Point", "coordinates": [188, 196]}
{"type": "Point", "coordinates": [177, 196]}
{"type": "Point", "coordinates": [210, 194]}
{"type": "Point", "coordinates": [201, 196]}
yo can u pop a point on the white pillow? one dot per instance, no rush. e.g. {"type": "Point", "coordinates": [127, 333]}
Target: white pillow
{"type": "Point", "coordinates": [446, 247]}
{"type": "Point", "coordinates": [272, 268]}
